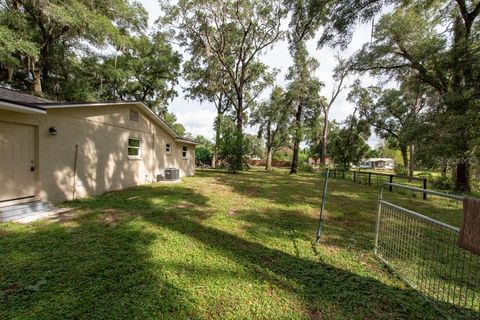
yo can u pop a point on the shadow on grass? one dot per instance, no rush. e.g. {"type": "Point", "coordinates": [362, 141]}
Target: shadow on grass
{"type": "Point", "coordinates": [98, 265]}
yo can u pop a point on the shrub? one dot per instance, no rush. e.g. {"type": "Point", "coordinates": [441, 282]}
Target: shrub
{"type": "Point", "coordinates": [400, 170]}
{"type": "Point", "coordinates": [442, 183]}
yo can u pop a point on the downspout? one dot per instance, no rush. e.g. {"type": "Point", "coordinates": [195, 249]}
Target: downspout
{"type": "Point", "coordinates": [75, 172]}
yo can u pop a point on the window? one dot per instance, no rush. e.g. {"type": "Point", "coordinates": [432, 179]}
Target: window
{"type": "Point", "coordinates": [168, 148]}
{"type": "Point", "coordinates": [184, 152]}
{"type": "Point", "coordinates": [133, 115]}
{"type": "Point", "coordinates": [134, 148]}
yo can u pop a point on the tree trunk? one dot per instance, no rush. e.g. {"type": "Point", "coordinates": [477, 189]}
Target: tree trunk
{"type": "Point", "coordinates": [323, 152]}
{"type": "Point", "coordinates": [268, 145]}
{"type": "Point", "coordinates": [37, 81]}
{"type": "Point", "coordinates": [217, 138]}
{"type": "Point", "coordinates": [403, 150]}
{"type": "Point", "coordinates": [269, 159]}
{"type": "Point", "coordinates": [462, 181]}
{"type": "Point", "coordinates": [239, 136]}
{"type": "Point", "coordinates": [411, 167]}
{"type": "Point", "coordinates": [297, 138]}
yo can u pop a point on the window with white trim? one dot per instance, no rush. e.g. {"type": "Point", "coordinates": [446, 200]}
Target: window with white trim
{"type": "Point", "coordinates": [134, 148]}
{"type": "Point", "coordinates": [184, 152]}
{"type": "Point", "coordinates": [168, 148]}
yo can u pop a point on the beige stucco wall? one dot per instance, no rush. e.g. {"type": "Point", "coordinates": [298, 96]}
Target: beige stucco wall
{"type": "Point", "coordinates": [101, 133]}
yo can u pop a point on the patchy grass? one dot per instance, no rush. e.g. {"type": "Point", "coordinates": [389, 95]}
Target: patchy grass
{"type": "Point", "coordinates": [217, 246]}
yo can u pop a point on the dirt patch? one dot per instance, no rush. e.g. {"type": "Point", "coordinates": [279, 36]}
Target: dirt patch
{"type": "Point", "coordinates": [11, 289]}
{"type": "Point", "coordinates": [232, 212]}
{"type": "Point", "coordinates": [111, 217]}
{"type": "Point", "coordinates": [314, 314]}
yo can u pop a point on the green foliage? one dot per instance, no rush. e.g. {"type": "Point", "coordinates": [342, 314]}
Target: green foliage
{"type": "Point", "coordinates": [203, 155]}
{"type": "Point", "coordinates": [225, 39]}
{"type": "Point", "coordinates": [232, 146]}
{"type": "Point", "coordinates": [400, 169]}
{"type": "Point", "coordinates": [171, 120]}
{"type": "Point", "coordinates": [442, 182]}
{"type": "Point", "coordinates": [349, 142]}
{"type": "Point", "coordinates": [57, 30]}
{"type": "Point", "coordinates": [413, 39]}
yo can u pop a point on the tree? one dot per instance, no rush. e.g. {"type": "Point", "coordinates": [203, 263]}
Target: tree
{"type": "Point", "coordinates": [146, 70]}
{"type": "Point", "coordinates": [340, 73]}
{"type": "Point", "coordinates": [349, 142]}
{"type": "Point", "coordinates": [303, 89]}
{"type": "Point", "coordinates": [207, 82]}
{"type": "Point", "coordinates": [395, 114]}
{"type": "Point", "coordinates": [150, 70]}
{"type": "Point", "coordinates": [439, 44]}
{"type": "Point", "coordinates": [272, 117]}
{"type": "Point", "coordinates": [233, 33]}
{"type": "Point", "coordinates": [56, 28]}
{"type": "Point", "coordinates": [171, 120]}
{"type": "Point", "coordinates": [203, 151]}
{"type": "Point", "coordinates": [302, 94]}
{"type": "Point", "coordinates": [229, 151]}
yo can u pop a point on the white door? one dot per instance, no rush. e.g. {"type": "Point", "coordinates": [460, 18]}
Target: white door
{"type": "Point", "coordinates": [17, 161]}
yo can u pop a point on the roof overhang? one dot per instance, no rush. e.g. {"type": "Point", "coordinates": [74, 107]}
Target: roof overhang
{"type": "Point", "coordinates": [186, 141]}
{"type": "Point", "coordinates": [21, 108]}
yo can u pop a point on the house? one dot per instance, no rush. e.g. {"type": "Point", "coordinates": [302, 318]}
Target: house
{"type": "Point", "coordinates": [315, 161]}
{"type": "Point", "coordinates": [378, 164]}
{"type": "Point", "coordinates": [54, 151]}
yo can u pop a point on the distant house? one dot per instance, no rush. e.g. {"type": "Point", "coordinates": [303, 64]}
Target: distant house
{"type": "Point", "coordinates": [378, 164]}
{"type": "Point", "coordinates": [56, 151]}
{"type": "Point", "coordinates": [314, 161]}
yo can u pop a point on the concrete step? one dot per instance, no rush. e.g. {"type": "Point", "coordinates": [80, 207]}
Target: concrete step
{"type": "Point", "coordinates": [22, 211]}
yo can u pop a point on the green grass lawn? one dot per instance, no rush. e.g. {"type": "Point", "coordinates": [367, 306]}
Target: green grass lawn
{"type": "Point", "coordinates": [216, 246]}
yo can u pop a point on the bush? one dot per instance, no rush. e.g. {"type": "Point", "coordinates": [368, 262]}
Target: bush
{"type": "Point", "coordinates": [304, 167]}
{"type": "Point", "coordinates": [203, 155]}
{"type": "Point", "coordinates": [400, 170]}
{"type": "Point", "coordinates": [232, 147]}
{"type": "Point", "coordinates": [442, 183]}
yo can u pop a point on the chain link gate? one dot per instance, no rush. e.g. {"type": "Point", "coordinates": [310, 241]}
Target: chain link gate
{"type": "Point", "coordinates": [424, 253]}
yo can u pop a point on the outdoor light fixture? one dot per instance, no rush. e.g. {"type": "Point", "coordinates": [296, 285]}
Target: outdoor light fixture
{"type": "Point", "coordinates": [52, 130]}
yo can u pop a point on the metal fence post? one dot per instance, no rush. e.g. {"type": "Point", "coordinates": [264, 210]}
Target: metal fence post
{"type": "Point", "coordinates": [335, 174]}
{"type": "Point", "coordinates": [324, 199]}
{"type": "Point", "coordinates": [369, 178]}
{"type": "Point", "coordinates": [424, 188]}
{"type": "Point", "coordinates": [391, 181]}
{"type": "Point", "coordinates": [354, 176]}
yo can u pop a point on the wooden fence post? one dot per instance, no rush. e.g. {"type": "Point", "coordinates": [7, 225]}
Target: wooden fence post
{"type": "Point", "coordinates": [390, 188]}
{"type": "Point", "coordinates": [369, 178]}
{"type": "Point", "coordinates": [424, 188]}
{"type": "Point", "coordinates": [354, 176]}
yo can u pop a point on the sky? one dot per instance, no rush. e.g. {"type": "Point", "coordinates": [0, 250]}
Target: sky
{"type": "Point", "coordinates": [198, 117]}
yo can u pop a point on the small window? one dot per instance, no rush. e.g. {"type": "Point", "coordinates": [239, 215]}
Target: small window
{"type": "Point", "coordinates": [168, 148]}
{"type": "Point", "coordinates": [134, 148]}
{"type": "Point", "coordinates": [184, 152]}
{"type": "Point", "coordinates": [133, 115]}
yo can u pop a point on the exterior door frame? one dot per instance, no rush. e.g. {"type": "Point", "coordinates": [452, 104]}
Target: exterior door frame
{"type": "Point", "coordinates": [37, 165]}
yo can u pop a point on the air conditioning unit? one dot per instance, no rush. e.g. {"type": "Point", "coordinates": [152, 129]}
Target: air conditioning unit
{"type": "Point", "coordinates": [172, 174]}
